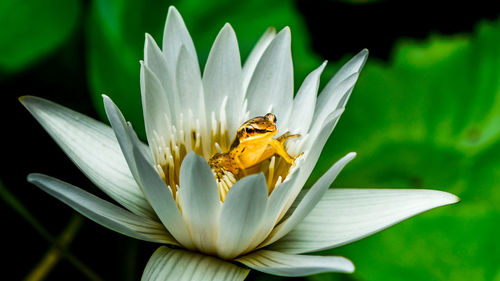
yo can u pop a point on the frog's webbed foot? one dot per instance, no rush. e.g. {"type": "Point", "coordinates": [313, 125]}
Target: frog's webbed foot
{"type": "Point", "coordinates": [295, 158]}
{"type": "Point", "coordinates": [287, 136]}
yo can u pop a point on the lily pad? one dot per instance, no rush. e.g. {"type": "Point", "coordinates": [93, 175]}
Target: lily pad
{"type": "Point", "coordinates": [430, 118]}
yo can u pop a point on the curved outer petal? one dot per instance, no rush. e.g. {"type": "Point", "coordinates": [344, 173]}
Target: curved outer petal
{"type": "Point", "coordinates": [92, 146]}
{"type": "Point", "coordinates": [160, 197]}
{"type": "Point", "coordinates": [282, 264]}
{"type": "Point", "coordinates": [125, 135]}
{"type": "Point", "coordinates": [305, 102]}
{"type": "Point", "coordinates": [346, 215]}
{"type": "Point", "coordinates": [271, 86]}
{"type": "Point", "coordinates": [310, 200]}
{"type": "Point", "coordinates": [103, 212]}
{"type": "Point", "coordinates": [222, 78]}
{"type": "Point", "coordinates": [255, 54]}
{"type": "Point", "coordinates": [243, 213]}
{"type": "Point", "coordinates": [199, 201]}
{"type": "Point", "coordinates": [179, 265]}
{"type": "Point", "coordinates": [122, 133]}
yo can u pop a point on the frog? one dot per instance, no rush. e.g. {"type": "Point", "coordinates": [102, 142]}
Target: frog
{"type": "Point", "coordinates": [254, 143]}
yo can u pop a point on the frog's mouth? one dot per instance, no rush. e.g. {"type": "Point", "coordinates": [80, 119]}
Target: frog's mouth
{"type": "Point", "coordinates": [264, 130]}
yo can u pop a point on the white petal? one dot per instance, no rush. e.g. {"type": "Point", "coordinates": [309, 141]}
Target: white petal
{"type": "Point", "coordinates": [179, 265]}
{"type": "Point", "coordinates": [200, 202]}
{"type": "Point", "coordinates": [282, 264]}
{"type": "Point", "coordinates": [271, 86]}
{"type": "Point", "coordinates": [305, 102]}
{"type": "Point", "coordinates": [346, 215]}
{"type": "Point", "coordinates": [315, 143]}
{"type": "Point", "coordinates": [275, 207]}
{"type": "Point", "coordinates": [103, 212]}
{"type": "Point", "coordinates": [222, 78]}
{"type": "Point", "coordinates": [311, 156]}
{"type": "Point", "coordinates": [155, 105]}
{"type": "Point", "coordinates": [341, 92]}
{"type": "Point", "coordinates": [254, 57]}
{"type": "Point", "coordinates": [160, 197]}
{"type": "Point", "coordinates": [167, 100]}
{"type": "Point", "coordinates": [190, 89]}
{"type": "Point", "coordinates": [337, 88]}
{"type": "Point", "coordinates": [176, 35]}
{"type": "Point", "coordinates": [122, 133]}
{"type": "Point", "coordinates": [242, 215]}
{"type": "Point", "coordinates": [92, 146]}
{"type": "Point", "coordinates": [310, 200]}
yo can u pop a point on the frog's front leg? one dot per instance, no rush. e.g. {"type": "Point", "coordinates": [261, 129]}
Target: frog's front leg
{"type": "Point", "coordinates": [286, 136]}
{"type": "Point", "coordinates": [279, 148]}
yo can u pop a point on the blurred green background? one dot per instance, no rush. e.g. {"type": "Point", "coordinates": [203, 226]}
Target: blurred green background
{"type": "Point", "coordinates": [424, 114]}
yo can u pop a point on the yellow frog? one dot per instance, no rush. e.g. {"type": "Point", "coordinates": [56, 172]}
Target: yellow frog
{"type": "Point", "coordinates": [253, 144]}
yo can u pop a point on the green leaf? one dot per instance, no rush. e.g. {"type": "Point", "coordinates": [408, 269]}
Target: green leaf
{"type": "Point", "coordinates": [116, 39]}
{"type": "Point", "coordinates": [32, 29]}
{"type": "Point", "coordinates": [430, 118]}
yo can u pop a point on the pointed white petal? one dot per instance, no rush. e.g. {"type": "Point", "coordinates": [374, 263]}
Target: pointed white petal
{"type": "Point", "coordinates": [160, 197]}
{"type": "Point", "coordinates": [316, 141]}
{"type": "Point", "coordinates": [311, 156]}
{"type": "Point", "coordinates": [200, 202]}
{"type": "Point", "coordinates": [346, 215]}
{"type": "Point", "coordinates": [282, 264]}
{"type": "Point", "coordinates": [312, 197]}
{"type": "Point", "coordinates": [166, 98]}
{"type": "Point", "coordinates": [354, 65]}
{"type": "Point", "coordinates": [337, 91]}
{"type": "Point", "coordinates": [222, 78]}
{"type": "Point", "coordinates": [178, 265]}
{"type": "Point", "coordinates": [122, 133]}
{"type": "Point", "coordinates": [275, 208]}
{"type": "Point", "coordinates": [242, 215]}
{"type": "Point", "coordinates": [155, 105]}
{"type": "Point", "coordinates": [92, 146]}
{"type": "Point", "coordinates": [156, 61]}
{"type": "Point", "coordinates": [103, 212]}
{"type": "Point", "coordinates": [254, 57]}
{"type": "Point", "coordinates": [341, 92]}
{"type": "Point", "coordinates": [271, 85]}
{"type": "Point", "coordinates": [176, 35]}
{"type": "Point", "coordinates": [305, 102]}
{"type": "Point", "coordinates": [189, 86]}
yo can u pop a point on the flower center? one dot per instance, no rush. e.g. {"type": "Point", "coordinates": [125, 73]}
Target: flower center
{"type": "Point", "coordinates": [207, 139]}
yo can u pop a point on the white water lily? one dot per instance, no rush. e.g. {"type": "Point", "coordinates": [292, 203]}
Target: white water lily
{"type": "Point", "coordinates": [217, 229]}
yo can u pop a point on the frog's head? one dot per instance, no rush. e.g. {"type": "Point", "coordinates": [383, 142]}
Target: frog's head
{"type": "Point", "coordinates": [258, 128]}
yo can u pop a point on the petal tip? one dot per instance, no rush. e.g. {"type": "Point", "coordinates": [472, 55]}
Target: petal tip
{"type": "Point", "coordinates": [449, 198]}
{"type": "Point", "coordinates": [173, 10]}
{"type": "Point", "coordinates": [350, 267]}
{"type": "Point", "coordinates": [33, 177]}
{"type": "Point", "coordinates": [270, 30]}
{"type": "Point", "coordinates": [26, 99]}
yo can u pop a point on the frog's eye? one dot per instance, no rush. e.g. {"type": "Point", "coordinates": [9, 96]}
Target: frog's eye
{"type": "Point", "coordinates": [271, 117]}
{"type": "Point", "coordinates": [250, 130]}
